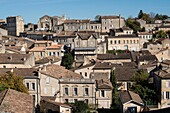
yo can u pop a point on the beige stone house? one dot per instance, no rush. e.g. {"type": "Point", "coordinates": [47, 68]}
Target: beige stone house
{"type": "Point", "coordinates": [163, 54]}
{"type": "Point", "coordinates": [111, 22]}
{"type": "Point", "coordinates": [41, 52]}
{"type": "Point", "coordinates": [85, 47]}
{"type": "Point", "coordinates": [162, 84]}
{"type": "Point", "coordinates": [85, 70]}
{"type": "Point", "coordinates": [121, 31]}
{"type": "Point", "coordinates": [152, 47]}
{"type": "Point", "coordinates": [30, 80]}
{"type": "Point", "coordinates": [130, 102]}
{"type": "Point", "coordinates": [165, 42]}
{"type": "Point", "coordinates": [13, 60]}
{"type": "Point", "coordinates": [15, 25]}
{"type": "Point", "coordinates": [123, 42]}
{"type": "Point", "coordinates": [104, 93]}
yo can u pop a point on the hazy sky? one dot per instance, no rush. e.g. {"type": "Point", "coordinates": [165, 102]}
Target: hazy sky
{"type": "Point", "coordinates": [32, 10]}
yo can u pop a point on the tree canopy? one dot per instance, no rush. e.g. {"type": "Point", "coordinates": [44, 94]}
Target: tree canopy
{"type": "Point", "coordinates": [143, 88]}
{"type": "Point", "coordinates": [12, 81]}
{"type": "Point", "coordinates": [133, 25]}
{"type": "Point", "coordinates": [161, 34]}
{"type": "Point", "coordinates": [80, 107]}
{"type": "Point", "coordinates": [140, 15]}
{"type": "Point", "coordinates": [67, 60]}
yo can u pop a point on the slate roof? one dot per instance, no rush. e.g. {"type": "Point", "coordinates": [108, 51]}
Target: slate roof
{"type": "Point", "coordinates": [100, 75]}
{"type": "Point", "coordinates": [124, 73]}
{"type": "Point", "coordinates": [127, 96]}
{"type": "Point", "coordinates": [48, 59]}
{"type": "Point", "coordinates": [124, 36]}
{"type": "Point", "coordinates": [104, 84]}
{"type": "Point", "coordinates": [57, 71]}
{"type": "Point", "coordinates": [110, 17]}
{"type": "Point", "coordinates": [103, 65]}
{"type": "Point", "coordinates": [13, 58]}
{"type": "Point", "coordinates": [113, 57]}
{"type": "Point", "coordinates": [20, 71]}
{"type": "Point", "coordinates": [15, 102]}
{"type": "Point", "coordinates": [163, 74]}
{"type": "Point", "coordinates": [147, 58]}
{"type": "Point", "coordinates": [86, 36]}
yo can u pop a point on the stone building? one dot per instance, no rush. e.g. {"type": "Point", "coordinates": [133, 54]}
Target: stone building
{"type": "Point", "coordinates": [123, 42]}
{"type": "Point", "coordinates": [15, 25]}
{"type": "Point", "coordinates": [111, 22]}
{"type": "Point", "coordinates": [49, 23]}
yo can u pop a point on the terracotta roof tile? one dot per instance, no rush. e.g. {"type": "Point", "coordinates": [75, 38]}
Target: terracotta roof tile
{"type": "Point", "coordinates": [15, 102]}
{"type": "Point", "coordinates": [57, 71]}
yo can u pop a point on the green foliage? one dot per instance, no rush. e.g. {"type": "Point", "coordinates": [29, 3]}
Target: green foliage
{"type": "Point", "coordinates": [115, 93]}
{"type": "Point", "coordinates": [80, 107]}
{"type": "Point", "coordinates": [67, 60]}
{"type": "Point", "coordinates": [161, 17]}
{"type": "Point", "coordinates": [133, 25]}
{"type": "Point", "coordinates": [161, 34]}
{"type": "Point", "coordinates": [143, 29]}
{"type": "Point", "coordinates": [140, 15]}
{"type": "Point", "coordinates": [115, 51]}
{"type": "Point", "coordinates": [141, 87]}
{"type": "Point", "coordinates": [12, 81]}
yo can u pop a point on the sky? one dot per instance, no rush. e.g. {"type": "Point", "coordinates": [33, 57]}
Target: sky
{"type": "Point", "coordinates": [32, 10]}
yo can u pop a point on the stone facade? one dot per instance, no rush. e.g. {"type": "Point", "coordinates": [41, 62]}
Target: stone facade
{"type": "Point", "coordinates": [15, 25]}
{"type": "Point", "coordinates": [127, 42]}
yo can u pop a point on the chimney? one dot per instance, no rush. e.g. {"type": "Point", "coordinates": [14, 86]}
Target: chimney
{"type": "Point", "coordinates": [119, 20]}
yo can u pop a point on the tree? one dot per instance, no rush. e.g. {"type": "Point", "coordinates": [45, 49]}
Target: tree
{"type": "Point", "coordinates": [115, 93]}
{"type": "Point", "coordinates": [143, 88]}
{"type": "Point", "coordinates": [168, 33]}
{"type": "Point", "coordinates": [80, 107]}
{"type": "Point", "coordinates": [12, 81]}
{"type": "Point", "coordinates": [67, 60]}
{"type": "Point", "coordinates": [140, 15]}
{"type": "Point", "coordinates": [97, 17]}
{"type": "Point", "coordinates": [152, 17]}
{"type": "Point", "coordinates": [161, 34]}
{"type": "Point", "coordinates": [133, 25]}
{"type": "Point", "coordinates": [146, 17]}
{"type": "Point", "coordinates": [161, 17]}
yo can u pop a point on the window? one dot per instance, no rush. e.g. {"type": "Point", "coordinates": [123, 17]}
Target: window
{"type": "Point", "coordinates": [33, 86]}
{"type": "Point", "coordinates": [53, 53]}
{"type": "Point", "coordinates": [131, 41]}
{"type": "Point", "coordinates": [66, 91]}
{"type": "Point", "coordinates": [111, 42]}
{"type": "Point", "coordinates": [4, 66]}
{"type": "Point", "coordinates": [75, 91]}
{"type": "Point", "coordinates": [102, 93]}
{"type": "Point", "coordinates": [86, 101]}
{"type": "Point", "coordinates": [86, 91]}
{"type": "Point", "coordinates": [80, 73]}
{"type": "Point", "coordinates": [134, 41]}
{"type": "Point", "coordinates": [118, 41]}
{"type": "Point", "coordinates": [85, 74]}
{"type": "Point", "coordinates": [47, 80]}
{"type": "Point", "coordinates": [124, 41]}
{"type": "Point", "coordinates": [66, 100]}
{"type": "Point", "coordinates": [27, 85]}
{"type": "Point", "coordinates": [115, 41]}
{"type": "Point", "coordinates": [167, 84]}
{"type": "Point", "coordinates": [127, 41]}
{"type": "Point", "coordinates": [167, 95]}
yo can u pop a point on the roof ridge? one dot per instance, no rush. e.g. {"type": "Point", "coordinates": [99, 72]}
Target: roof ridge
{"type": "Point", "coordinates": [5, 92]}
